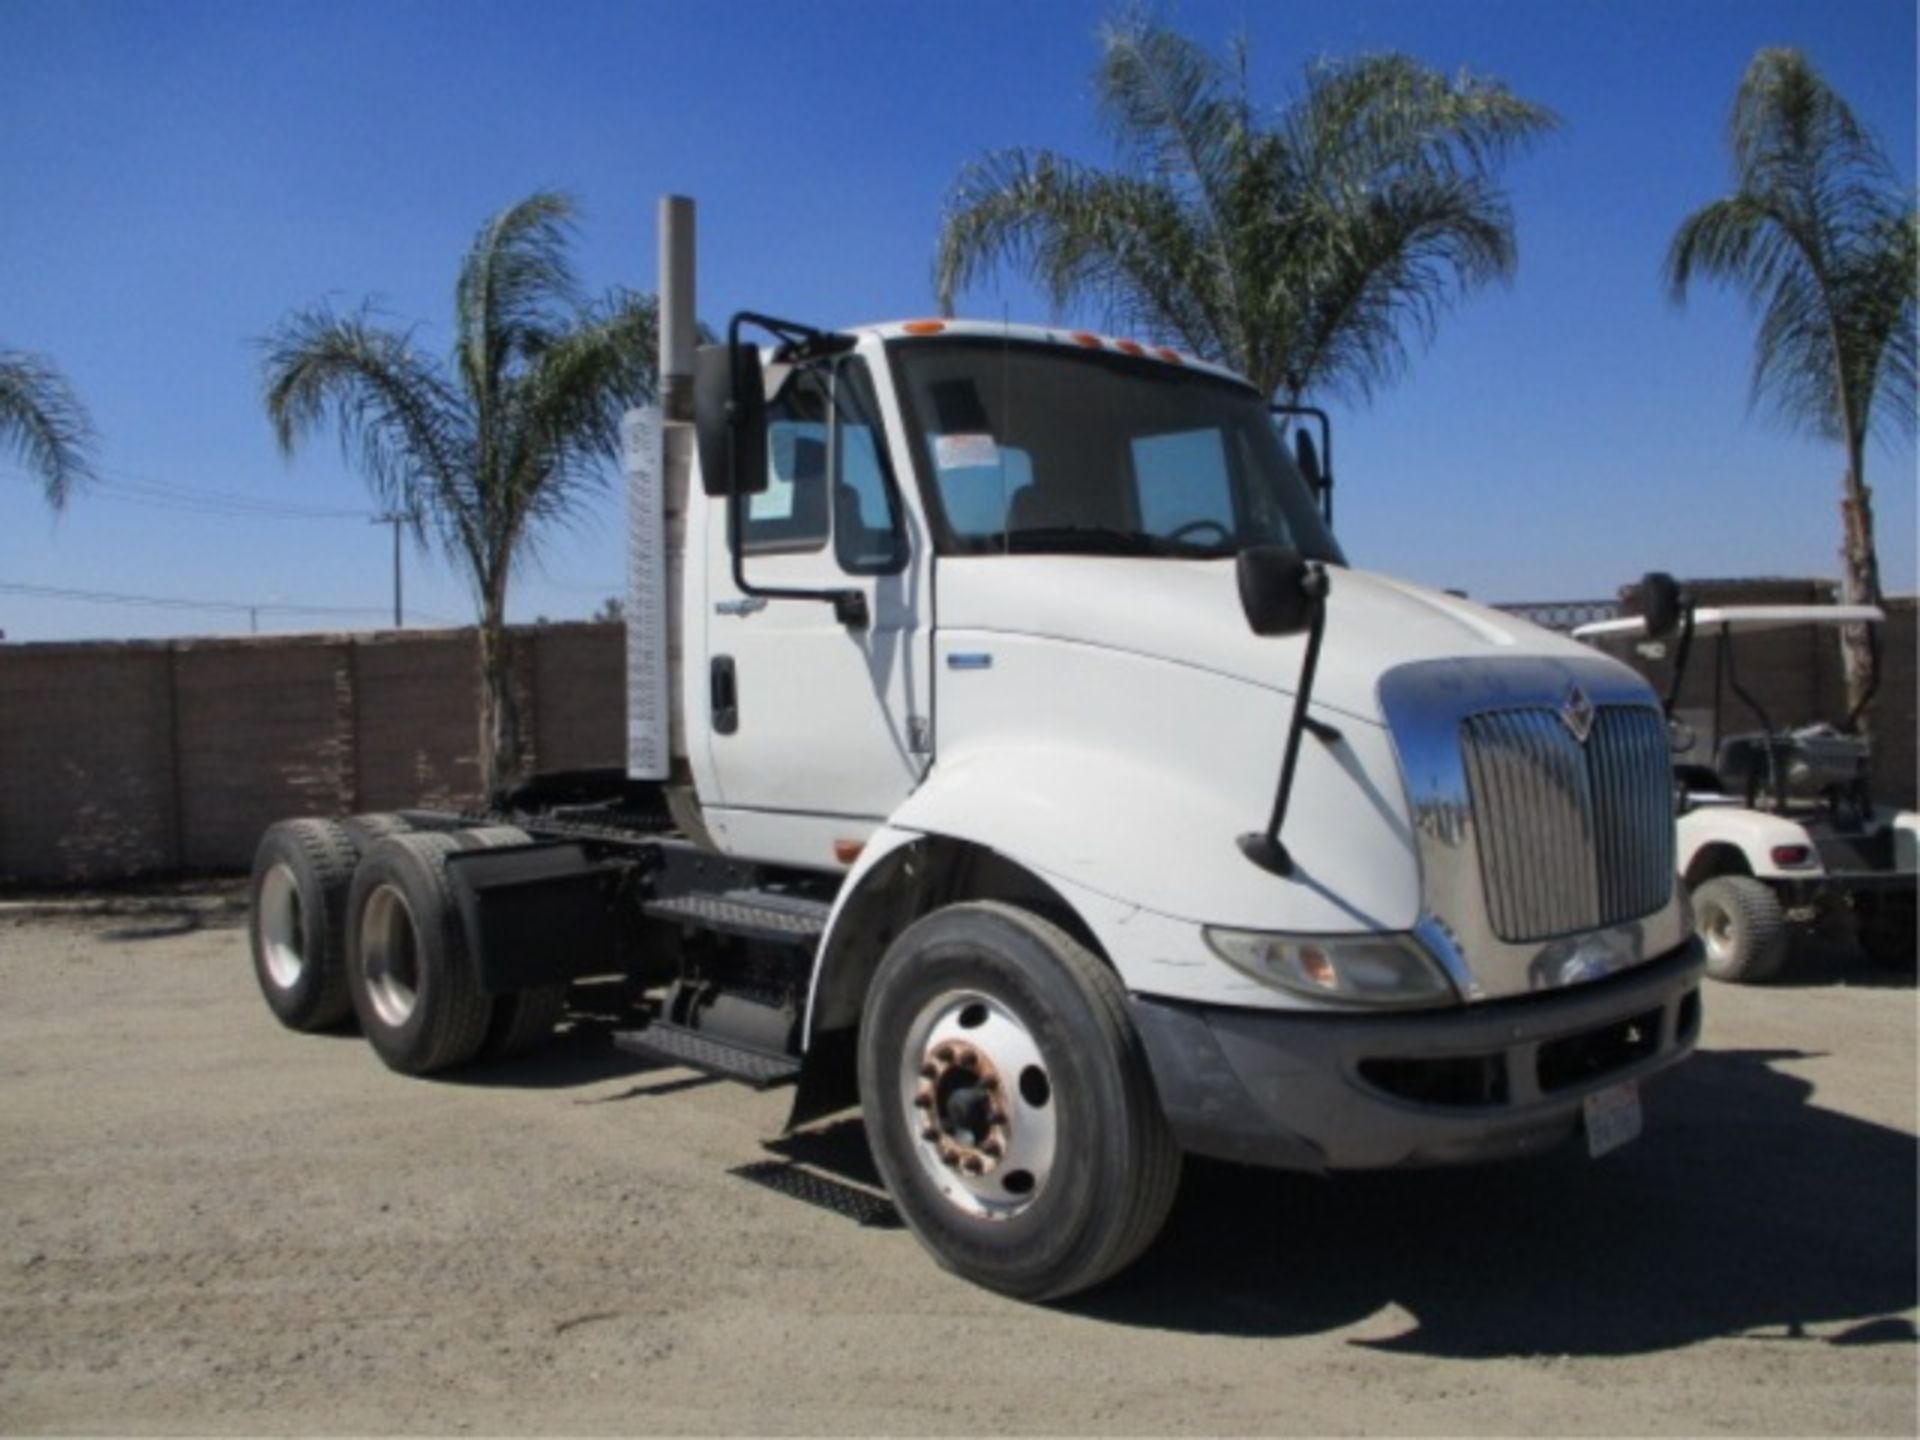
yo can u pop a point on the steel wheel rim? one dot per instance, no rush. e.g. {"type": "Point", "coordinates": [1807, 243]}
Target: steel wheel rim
{"type": "Point", "coordinates": [977, 1098]}
{"type": "Point", "coordinates": [390, 955]}
{"type": "Point", "coordinates": [278, 918]}
{"type": "Point", "coordinates": [1716, 928]}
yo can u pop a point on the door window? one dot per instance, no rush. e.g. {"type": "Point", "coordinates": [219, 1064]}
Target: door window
{"type": "Point", "coordinates": [828, 473]}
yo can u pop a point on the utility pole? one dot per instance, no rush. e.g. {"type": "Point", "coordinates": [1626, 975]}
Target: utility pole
{"type": "Point", "coordinates": [396, 519]}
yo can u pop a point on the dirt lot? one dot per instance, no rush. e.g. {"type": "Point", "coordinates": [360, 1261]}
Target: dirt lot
{"type": "Point", "coordinates": [208, 1224]}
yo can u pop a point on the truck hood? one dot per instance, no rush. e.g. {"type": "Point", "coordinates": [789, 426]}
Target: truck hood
{"type": "Point", "coordinates": [1187, 612]}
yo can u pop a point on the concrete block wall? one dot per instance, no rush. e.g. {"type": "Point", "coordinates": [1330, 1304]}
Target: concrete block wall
{"type": "Point", "coordinates": [129, 758]}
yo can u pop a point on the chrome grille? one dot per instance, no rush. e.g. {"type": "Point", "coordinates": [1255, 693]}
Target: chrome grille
{"type": "Point", "coordinates": [1572, 836]}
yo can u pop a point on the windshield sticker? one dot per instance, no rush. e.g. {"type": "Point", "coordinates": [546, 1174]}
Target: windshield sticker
{"type": "Point", "coordinates": [965, 452]}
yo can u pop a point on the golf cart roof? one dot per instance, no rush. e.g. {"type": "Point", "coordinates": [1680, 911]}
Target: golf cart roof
{"type": "Point", "coordinates": [1744, 618]}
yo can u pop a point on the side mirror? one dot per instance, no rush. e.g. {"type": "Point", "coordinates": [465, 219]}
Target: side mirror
{"type": "Point", "coordinates": [1661, 603]}
{"type": "Point", "coordinates": [1306, 455]}
{"type": "Point", "coordinates": [730, 419]}
{"type": "Point", "coordinates": [1279, 589]}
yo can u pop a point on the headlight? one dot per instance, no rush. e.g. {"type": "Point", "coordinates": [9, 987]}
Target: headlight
{"type": "Point", "coordinates": [1361, 970]}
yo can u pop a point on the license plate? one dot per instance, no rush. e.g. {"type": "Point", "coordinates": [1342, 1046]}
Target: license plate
{"type": "Point", "coordinates": [1613, 1118]}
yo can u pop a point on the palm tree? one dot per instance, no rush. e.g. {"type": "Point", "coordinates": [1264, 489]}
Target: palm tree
{"type": "Point", "coordinates": [489, 452]}
{"type": "Point", "coordinates": [1298, 247]}
{"type": "Point", "coordinates": [1820, 235]}
{"type": "Point", "coordinates": [43, 423]}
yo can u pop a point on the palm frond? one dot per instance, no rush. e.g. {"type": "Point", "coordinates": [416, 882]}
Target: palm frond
{"type": "Point", "coordinates": [516, 288]}
{"type": "Point", "coordinates": [1304, 250]}
{"type": "Point", "coordinates": [44, 425]}
{"type": "Point", "coordinates": [1127, 244]}
{"type": "Point", "coordinates": [1818, 237]}
{"type": "Point", "coordinates": [398, 418]}
{"type": "Point", "coordinates": [567, 408]}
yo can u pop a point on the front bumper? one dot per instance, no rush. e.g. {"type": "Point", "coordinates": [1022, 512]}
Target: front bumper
{"type": "Point", "coordinates": [1323, 1092]}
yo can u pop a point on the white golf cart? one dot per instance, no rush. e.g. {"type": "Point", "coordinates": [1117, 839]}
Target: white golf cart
{"type": "Point", "coordinates": [1777, 827]}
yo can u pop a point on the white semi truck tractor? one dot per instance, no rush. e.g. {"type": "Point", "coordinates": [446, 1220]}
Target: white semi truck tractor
{"type": "Point", "coordinates": [1016, 755]}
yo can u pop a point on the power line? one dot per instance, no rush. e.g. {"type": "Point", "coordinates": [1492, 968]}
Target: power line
{"type": "Point", "coordinates": [164, 493]}
{"type": "Point", "coordinates": [125, 489]}
{"type": "Point", "coordinates": [173, 602]}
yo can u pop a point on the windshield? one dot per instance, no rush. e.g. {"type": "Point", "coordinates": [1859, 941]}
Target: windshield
{"type": "Point", "coordinates": [1034, 448]}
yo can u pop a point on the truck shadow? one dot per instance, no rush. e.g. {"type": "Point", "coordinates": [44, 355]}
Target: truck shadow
{"type": "Point", "coordinates": [1821, 962]}
{"type": "Point", "coordinates": [1745, 1209]}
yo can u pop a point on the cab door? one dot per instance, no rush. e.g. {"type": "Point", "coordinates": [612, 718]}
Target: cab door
{"type": "Point", "coordinates": [818, 727]}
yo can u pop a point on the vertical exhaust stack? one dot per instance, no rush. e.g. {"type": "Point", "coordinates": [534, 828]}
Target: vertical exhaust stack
{"type": "Point", "coordinates": [658, 451]}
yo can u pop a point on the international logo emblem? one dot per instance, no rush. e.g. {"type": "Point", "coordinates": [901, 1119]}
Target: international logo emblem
{"type": "Point", "coordinates": [1578, 712]}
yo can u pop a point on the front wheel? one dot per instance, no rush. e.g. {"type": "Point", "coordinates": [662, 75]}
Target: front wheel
{"type": "Point", "coordinates": [1009, 1103]}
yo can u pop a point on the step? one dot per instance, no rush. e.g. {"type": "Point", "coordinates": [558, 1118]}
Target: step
{"type": "Point", "coordinates": [750, 914]}
{"type": "Point", "coordinates": [671, 1044]}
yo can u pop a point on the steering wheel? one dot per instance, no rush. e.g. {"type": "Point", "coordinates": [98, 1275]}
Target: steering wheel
{"type": "Point", "coordinates": [1182, 532]}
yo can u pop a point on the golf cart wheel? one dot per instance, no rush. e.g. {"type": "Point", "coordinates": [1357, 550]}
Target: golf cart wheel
{"type": "Point", "coordinates": [1009, 1103]}
{"type": "Point", "coordinates": [297, 912]}
{"type": "Point", "coordinates": [408, 970]}
{"type": "Point", "coordinates": [1739, 920]}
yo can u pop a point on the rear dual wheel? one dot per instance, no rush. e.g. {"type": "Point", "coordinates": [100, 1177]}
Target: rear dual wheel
{"type": "Point", "coordinates": [1009, 1104]}
{"type": "Point", "coordinates": [413, 982]}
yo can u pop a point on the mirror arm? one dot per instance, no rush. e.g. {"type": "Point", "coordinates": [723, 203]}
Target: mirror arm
{"type": "Point", "coordinates": [1265, 848]}
{"type": "Point", "coordinates": [1682, 652]}
{"type": "Point", "coordinates": [849, 606]}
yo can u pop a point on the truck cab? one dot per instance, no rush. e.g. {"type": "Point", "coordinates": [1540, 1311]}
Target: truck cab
{"type": "Point", "coordinates": [1045, 780]}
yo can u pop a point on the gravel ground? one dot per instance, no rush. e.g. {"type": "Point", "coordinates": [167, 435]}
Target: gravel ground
{"type": "Point", "coordinates": [210, 1225]}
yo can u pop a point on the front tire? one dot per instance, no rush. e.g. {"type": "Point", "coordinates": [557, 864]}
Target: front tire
{"type": "Point", "coordinates": [1009, 1103]}
{"type": "Point", "coordinates": [1740, 922]}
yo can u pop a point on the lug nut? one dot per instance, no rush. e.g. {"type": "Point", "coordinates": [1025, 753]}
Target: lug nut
{"type": "Point", "coordinates": [993, 1148]}
{"type": "Point", "coordinates": [974, 1165]}
{"type": "Point", "coordinates": [930, 1134]}
{"type": "Point", "coordinates": [989, 1082]}
{"type": "Point", "coordinates": [924, 1099]}
{"type": "Point", "coordinates": [944, 1054]}
{"type": "Point", "coordinates": [929, 1072]}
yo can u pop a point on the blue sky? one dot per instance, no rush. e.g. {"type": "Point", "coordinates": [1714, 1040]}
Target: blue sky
{"type": "Point", "coordinates": [177, 176]}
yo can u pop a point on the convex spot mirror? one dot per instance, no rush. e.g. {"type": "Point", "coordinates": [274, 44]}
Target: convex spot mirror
{"type": "Point", "coordinates": [1279, 589]}
{"type": "Point", "coordinates": [730, 419]}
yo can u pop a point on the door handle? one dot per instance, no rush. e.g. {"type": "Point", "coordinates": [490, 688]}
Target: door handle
{"type": "Point", "coordinates": [723, 695]}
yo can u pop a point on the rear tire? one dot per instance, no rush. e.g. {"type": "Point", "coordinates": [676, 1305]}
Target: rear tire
{"type": "Point", "coordinates": [1740, 922]}
{"type": "Point", "coordinates": [1009, 1103]}
{"type": "Point", "coordinates": [297, 904]}
{"type": "Point", "coordinates": [370, 829]}
{"type": "Point", "coordinates": [408, 970]}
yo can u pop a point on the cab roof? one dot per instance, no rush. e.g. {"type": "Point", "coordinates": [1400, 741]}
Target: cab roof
{"type": "Point", "coordinates": [910, 330]}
